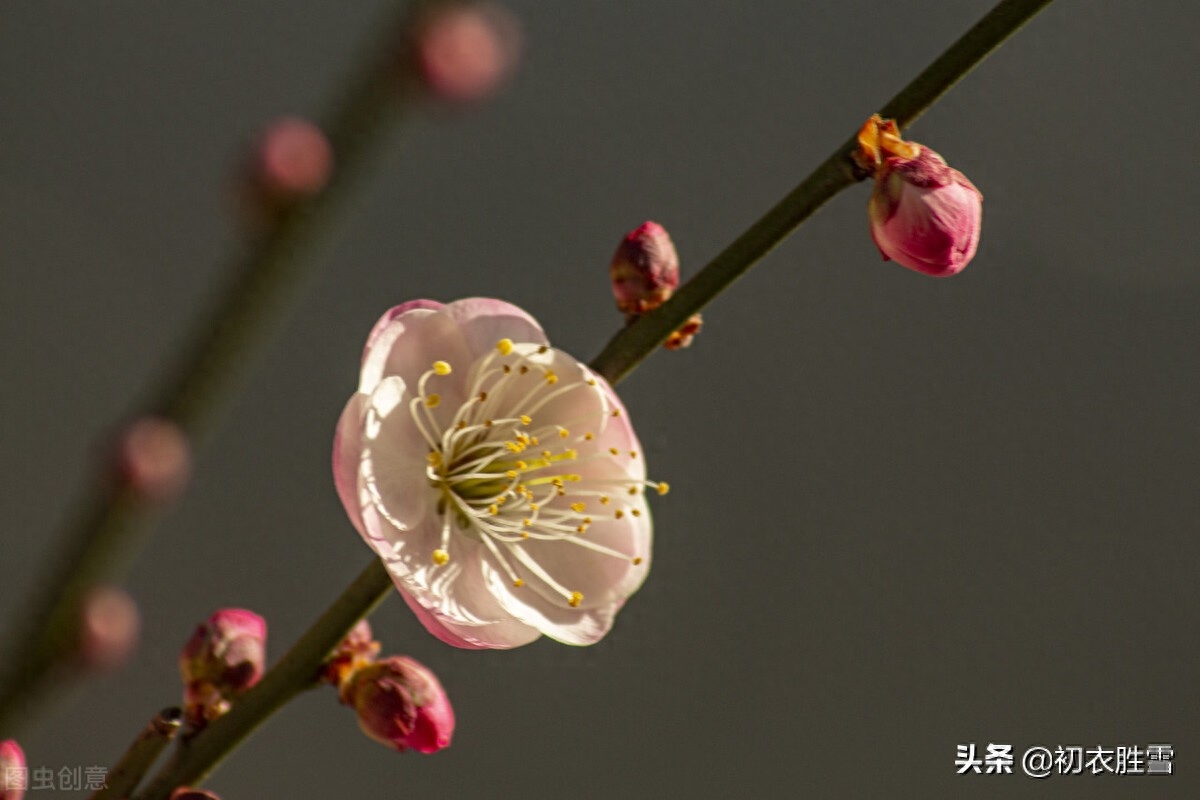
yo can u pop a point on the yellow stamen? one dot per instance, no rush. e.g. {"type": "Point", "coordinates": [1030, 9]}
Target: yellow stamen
{"type": "Point", "coordinates": [433, 400]}
{"type": "Point", "coordinates": [505, 346]}
{"type": "Point", "coordinates": [493, 509]}
{"type": "Point", "coordinates": [526, 419]}
{"type": "Point", "coordinates": [440, 557]}
{"type": "Point", "coordinates": [576, 599]}
{"type": "Point", "coordinates": [511, 474]}
{"type": "Point", "coordinates": [551, 378]}
{"type": "Point", "coordinates": [618, 514]}
{"type": "Point", "coordinates": [435, 458]}
{"type": "Point", "coordinates": [578, 507]}
{"type": "Point", "coordinates": [588, 437]}
{"type": "Point", "coordinates": [518, 583]}
{"type": "Point", "coordinates": [637, 560]}
{"type": "Point", "coordinates": [614, 450]}
{"type": "Point", "coordinates": [605, 500]}
{"type": "Point", "coordinates": [663, 487]}
{"type": "Point", "coordinates": [441, 368]}
{"type": "Point", "coordinates": [636, 512]}
{"type": "Point", "coordinates": [563, 433]}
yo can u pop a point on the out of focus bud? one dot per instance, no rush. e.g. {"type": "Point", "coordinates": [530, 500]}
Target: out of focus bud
{"type": "Point", "coordinates": [188, 793]}
{"type": "Point", "coordinates": [292, 160]}
{"type": "Point", "coordinates": [401, 704]}
{"type": "Point", "coordinates": [465, 50]}
{"type": "Point", "coordinates": [109, 624]}
{"type": "Point", "coordinates": [153, 459]}
{"type": "Point", "coordinates": [358, 649]}
{"type": "Point", "coordinates": [14, 777]}
{"type": "Point", "coordinates": [224, 658]}
{"type": "Point", "coordinates": [923, 214]}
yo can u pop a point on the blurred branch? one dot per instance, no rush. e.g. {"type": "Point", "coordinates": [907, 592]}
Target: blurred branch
{"type": "Point", "coordinates": [637, 341]}
{"type": "Point", "coordinates": [299, 668]}
{"type": "Point", "coordinates": [110, 523]}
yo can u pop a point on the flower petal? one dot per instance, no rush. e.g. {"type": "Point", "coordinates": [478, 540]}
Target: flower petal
{"type": "Point", "coordinates": [578, 626]}
{"type": "Point", "coordinates": [347, 454]}
{"type": "Point", "coordinates": [501, 635]}
{"type": "Point", "coordinates": [406, 345]}
{"type": "Point", "coordinates": [601, 578]}
{"type": "Point", "coordinates": [484, 322]}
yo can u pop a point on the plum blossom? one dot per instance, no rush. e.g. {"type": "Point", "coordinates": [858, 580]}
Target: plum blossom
{"type": "Point", "coordinates": [498, 478]}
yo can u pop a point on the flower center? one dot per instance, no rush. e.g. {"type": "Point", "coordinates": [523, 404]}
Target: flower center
{"type": "Point", "coordinates": [504, 475]}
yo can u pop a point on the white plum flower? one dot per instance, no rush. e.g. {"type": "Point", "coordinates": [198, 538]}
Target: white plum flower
{"type": "Point", "coordinates": [499, 479]}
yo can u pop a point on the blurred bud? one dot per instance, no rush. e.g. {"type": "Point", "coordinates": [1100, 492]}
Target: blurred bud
{"type": "Point", "coordinates": [401, 704]}
{"type": "Point", "coordinates": [109, 624]}
{"type": "Point", "coordinates": [154, 459]}
{"type": "Point", "coordinates": [358, 649]}
{"type": "Point", "coordinates": [14, 777]}
{"type": "Point", "coordinates": [644, 270]}
{"type": "Point", "coordinates": [465, 50]}
{"type": "Point", "coordinates": [292, 160]}
{"type": "Point", "coordinates": [188, 793]}
{"type": "Point", "coordinates": [923, 214]}
{"type": "Point", "coordinates": [224, 658]}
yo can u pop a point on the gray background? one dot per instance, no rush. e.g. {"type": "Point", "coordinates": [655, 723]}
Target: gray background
{"type": "Point", "coordinates": [906, 514]}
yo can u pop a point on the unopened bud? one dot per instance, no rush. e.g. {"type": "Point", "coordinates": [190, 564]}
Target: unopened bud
{"type": "Point", "coordinates": [292, 160]}
{"type": "Point", "coordinates": [358, 649]}
{"type": "Point", "coordinates": [465, 50]}
{"type": "Point", "coordinates": [401, 704]}
{"type": "Point", "coordinates": [188, 793]}
{"type": "Point", "coordinates": [14, 777]}
{"type": "Point", "coordinates": [153, 459]}
{"type": "Point", "coordinates": [644, 270]}
{"type": "Point", "coordinates": [224, 658]}
{"type": "Point", "coordinates": [923, 214]}
{"type": "Point", "coordinates": [109, 624]}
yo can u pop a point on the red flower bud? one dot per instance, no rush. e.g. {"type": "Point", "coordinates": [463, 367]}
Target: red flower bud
{"type": "Point", "coordinates": [923, 214]}
{"type": "Point", "coordinates": [188, 793]}
{"type": "Point", "coordinates": [224, 658]}
{"type": "Point", "coordinates": [14, 778]}
{"type": "Point", "coordinates": [644, 270]}
{"type": "Point", "coordinates": [401, 704]}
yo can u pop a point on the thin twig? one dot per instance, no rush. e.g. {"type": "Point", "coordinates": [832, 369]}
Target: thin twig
{"type": "Point", "coordinates": [141, 755]}
{"type": "Point", "coordinates": [635, 342]}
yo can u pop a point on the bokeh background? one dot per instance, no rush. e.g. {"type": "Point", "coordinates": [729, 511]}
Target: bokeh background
{"type": "Point", "coordinates": [906, 513]}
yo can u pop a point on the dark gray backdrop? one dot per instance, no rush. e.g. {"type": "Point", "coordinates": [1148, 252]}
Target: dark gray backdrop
{"type": "Point", "coordinates": [907, 513]}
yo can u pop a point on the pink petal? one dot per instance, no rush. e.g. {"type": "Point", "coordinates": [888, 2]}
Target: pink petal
{"type": "Point", "coordinates": [484, 322]}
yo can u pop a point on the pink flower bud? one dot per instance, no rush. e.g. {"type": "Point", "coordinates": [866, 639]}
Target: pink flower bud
{"type": "Point", "coordinates": [153, 459]}
{"type": "Point", "coordinates": [644, 270]}
{"type": "Point", "coordinates": [14, 778]}
{"type": "Point", "coordinates": [401, 704]}
{"type": "Point", "coordinates": [923, 214]}
{"type": "Point", "coordinates": [358, 649]}
{"type": "Point", "coordinates": [464, 51]}
{"type": "Point", "coordinates": [108, 628]}
{"type": "Point", "coordinates": [224, 658]}
{"type": "Point", "coordinates": [293, 159]}
{"type": "Point", "coordinates": [188, 793]}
